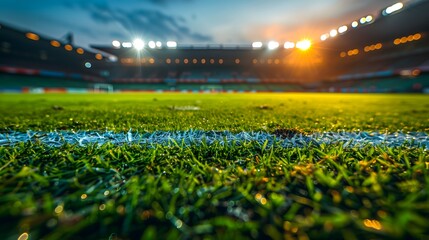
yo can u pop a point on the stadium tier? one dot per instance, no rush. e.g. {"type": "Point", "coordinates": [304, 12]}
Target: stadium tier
{"type": "Point", "coordinates": [383, 53]}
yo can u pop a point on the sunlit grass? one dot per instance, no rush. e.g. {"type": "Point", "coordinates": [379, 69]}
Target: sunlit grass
{"type": "Point", "coordinates": [234, 112]}
{"type": "Point", "coordinates": [231, 191]}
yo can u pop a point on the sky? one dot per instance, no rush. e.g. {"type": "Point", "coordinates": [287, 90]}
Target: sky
{"type": "Point", "coordinates": [99, 22]}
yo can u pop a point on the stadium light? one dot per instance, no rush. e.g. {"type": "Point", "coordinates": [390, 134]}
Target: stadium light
{"type": "Point", "coordinates": [303, 45]}
{"type": "Point", "coordinates": [127, 44]}
{"type": "Point", "coordinates": [113, 58]}
{"type": "Point", "coordinates": [324, 36]}
{"type": "Point", "coordinates": [342, 29]}
{"type": "Point", "coordinates": [116, 44]}
{"type": "Point", "coordinates": [68, 47]}
{"type": "Point", "coordinates": [257, 44]}
{"type": "Point", "coordinates": [138, 44]}
{"type": "Point", "coordinates": [394, 8]}
{"type": "Point", "coordinates": [362, 20]}
{"type": "Point", "coordinates": [171, 44]}
{"type": "Point", "coordinates": [80, 51]}
{"type": "Point", "coordinates": [55, 43]}
{"type": "Point", "coordinates": [333, 33]}
{"type": "Point", "coordinates": [289, 45]}
{"type": "Point", "coordinates": [369, 18]}
{"type": "Point", "coordinates": [88, 65]}
{"type": "Point", "coordinates": [158, 44]}
{"type": "Point", "coordinates": [273, 45]}
{"type": "Point", "coordinates": [355, 24]}
{"type": "Point", "coordinates": [152, 44]}
{"type": "Point", "coordinates": [32, 36]}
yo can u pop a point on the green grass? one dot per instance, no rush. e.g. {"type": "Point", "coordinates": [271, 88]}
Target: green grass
{"type": "Point", "coordinates": [234, 112]}
{"type": "Point", "coordinates": [206, 192]}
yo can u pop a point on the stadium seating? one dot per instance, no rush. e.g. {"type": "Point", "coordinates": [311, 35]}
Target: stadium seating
{"type": "Point", "coordinates": [393, 67]}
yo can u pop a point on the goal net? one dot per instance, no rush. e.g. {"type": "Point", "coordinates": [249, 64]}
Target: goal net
{"type": "Point", "coordinates": [103, 87]}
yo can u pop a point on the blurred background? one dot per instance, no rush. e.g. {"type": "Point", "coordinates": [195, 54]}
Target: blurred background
{"type": "Point", "coordinates": [207, 46]}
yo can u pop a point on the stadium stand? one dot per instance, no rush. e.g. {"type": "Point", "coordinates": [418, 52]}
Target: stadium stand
{"type": "Point", "coordinates": [31, 61]}
{"type": "Point", "coordinates": [387, 54]}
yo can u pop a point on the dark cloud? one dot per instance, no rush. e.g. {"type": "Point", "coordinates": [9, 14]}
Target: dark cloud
{"type": "Point", "coordinates": [148, 23]}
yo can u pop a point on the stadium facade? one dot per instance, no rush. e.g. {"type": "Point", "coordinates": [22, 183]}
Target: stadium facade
{"type": "Point", "coordinates": [388, 52]}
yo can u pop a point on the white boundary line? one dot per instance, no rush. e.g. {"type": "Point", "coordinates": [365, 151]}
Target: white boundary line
{"type": "Point", "coordinates": [197, 137]}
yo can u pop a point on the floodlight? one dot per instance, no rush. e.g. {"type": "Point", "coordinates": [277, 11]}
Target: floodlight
{"type": "Point", "coordinates": [116, 44]}
{"type": "Point", "coordinates": [138, 44]}
{"type": "Point", "coordinates": [342, 29]}
{"type": "Point", "coordinates": [394, 8]}
{"type": "Point", "coordinates": [273, 45]}
{"type": "Point", "coordinates": [324, 37]}
{"type": "Point", "coordinates": [289, 45]}
{"type": "Point", "coordinates": [257, 44]}
{"type": "Point", "coordinates": [152, 44]}
{"type": "Point", "coordinates": [333, 33]}
{"type": "Point", "coordinates": [303, 45]}
{"type": "Point", "coordinates": [127, 44]}
{"type": "Point", "coordinates": [113, 58]}
{"type": "Point", "coordinates": [171, 44]}
{"type": "Point", "coordinates": [369, 18]}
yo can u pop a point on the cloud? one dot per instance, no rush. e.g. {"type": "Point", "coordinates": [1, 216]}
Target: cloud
{"type": "Point", "coordinates": [149, 23]}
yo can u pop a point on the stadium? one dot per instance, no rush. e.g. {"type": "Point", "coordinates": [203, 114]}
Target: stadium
{"type": "Point", "coordinates": [321, 138]}
{"type": "Point", "coordinates": [366, 58]}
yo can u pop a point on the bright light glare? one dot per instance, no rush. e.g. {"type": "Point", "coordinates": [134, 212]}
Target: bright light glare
{"type": "Point", "coordinates": [395, 7]}
{"type": "Point", "coordinates": [324, 37]}
{"type": "Point", "coordinates": [257, 44]}
{"type": "Point", "coordinates": [138, 44]}
{"type": "Point", "coordinates": [333, 33]}
{"type": "Point", "coordinates": [116, 44]}
{"type": "Point", "coordinates": [152, 44]}
{"type": "Point", "coordinates": [289, 45]}
{"type": "Point", "coordinates": [362, 20]}
{"type": "Point", "coordinates": [171, 44]}
{"type": "Point", "coordinates": [303, 45]}
{"type": "Point", "coordinates": [342, 29]}
{"type": "Point", "coordinates": [127, 44]}
{"type": "Point", "coordinates": [273, 45]}
{"type": "Point", "coordinates": [158, 44]}
{"type": "Point", "coordinates": [355, 24]}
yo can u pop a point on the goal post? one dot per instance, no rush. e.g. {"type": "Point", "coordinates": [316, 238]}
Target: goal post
{"type": "Point", "coordinates": [103, 87]}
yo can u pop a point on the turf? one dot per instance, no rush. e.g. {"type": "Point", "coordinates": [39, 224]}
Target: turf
{"type": "Point", "coordinates": [209, 191]}
{"type": "Point", "coordinates": [233, 112]}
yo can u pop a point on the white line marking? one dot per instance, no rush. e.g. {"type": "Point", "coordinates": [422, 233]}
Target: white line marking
{"type": "Point", "coordinates": [196, 137]}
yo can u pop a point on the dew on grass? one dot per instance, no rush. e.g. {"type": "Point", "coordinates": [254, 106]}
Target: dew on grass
{"type": "Point", "coordinates": [102, 207]}
{"type": "Point", "coordinates": [23, 236]}
{"type": "Point", "coordinates": [372, 223]}
{"type": "Point", "coordinates": [59, 209]}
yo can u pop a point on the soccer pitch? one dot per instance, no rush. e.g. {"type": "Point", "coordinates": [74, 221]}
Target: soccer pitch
{"type": "Point", "coordinates": [233, 166]}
